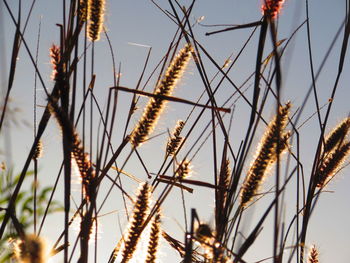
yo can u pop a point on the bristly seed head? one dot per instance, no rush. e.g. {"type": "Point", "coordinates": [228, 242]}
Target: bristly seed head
{"type": "Point", "coordinates": [136, 223]}
{"type": "Point", "coordinates": [155, 106]}
{"type": "Point", "coordinates": [30, 249]}
{"type": "Point", "coordinates": [313, 255]}
{"type": "Point", "coordinates": [337, 136]}
{"type": "Point", "coordinates": [38, 151]}
{"type": "Point", "coordinates": [271, 8]}
{"type": "Point", "coordinates": [331, 164]}
{"type": "Point", "coordinates": [184, 170]}
{"type": "Point", "coordinates": [153, 243]}
{"type": "Point", "coordinates": [96, 9]}
{"type": "Point", "coordinates": [267, 154]}
{"type": "Point", "coordinates": [175, 140]}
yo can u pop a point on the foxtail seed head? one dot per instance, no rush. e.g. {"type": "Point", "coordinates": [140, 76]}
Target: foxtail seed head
{"type": "Point", "coordinates": [331, 164]}
{"type": "Point", "coordinates": [273, 138]}
{"type": "Point", "coordinates": [175, 140]}
{"type": "Point", "coordinates": [313, 255]}
{"type": "Point", "coordinates": [153, 243]}
{"type": "Point", "coordinates": [136, 222]}
{"type": "Point", "coordinates": [271, 8]}
{"type": "Point", "coordinates": [155, 106]}
{"type": "Point", "coordinates": [96, 9]}
{"type": "Point", "coordinates": [30, 249]}
{"type": "Point", "coordinates": [337, 136]}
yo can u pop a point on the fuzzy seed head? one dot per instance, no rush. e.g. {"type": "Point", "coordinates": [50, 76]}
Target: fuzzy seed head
{"type": "Point", "coordinates": [38, 151]}
{"type": "Point", "coordinates": [83, 12]}
{"type": "Point", "coordinates": [31, 249]}
{"type": "Point", "coordinates": [337, 136]}
{"type": "Point", "coordinates": [153, 243]}
{"type": "Point", "coordinates": [331, 164]}
{"type": "Point", "coordinates": [184, 170]}
{"type": "Point", "coordinates": [313, 255]}
{"type": "Point", "coordinates": [266, 154]}
{"type": "Point", "coordinates": [86, 170]}
{"type": "Point", "coordinates": [155, 106]}
{"type": "Point", "coordinates": [271, 8]}
{"type": "Point", "coordinates": [55, 54]}
{"type": "Point", "coordinates": [136, 222]}
{"type": "Point", "coordinates": [175, 140]}
{"type": "Point", "coordinates": [96, 10]}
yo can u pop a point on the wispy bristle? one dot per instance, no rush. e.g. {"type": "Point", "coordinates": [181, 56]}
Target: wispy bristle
{"type": "Point", "coordinates": [153, 243]}
{"type": "Point", "coordinates": [96, 18]}
{"type": "Point", "coordinates": [313, 255]}
{"type": "Point", "coordinates": [136, 223]}
{"type": "Point", "coordinates": [331, 164]}
{"type": "Point", "coordinates": [155, 106]}
{"type": "Point", "coordinates": [271, 8]}
{"type": "Point", "coordinates": [38, 151]}
{"type": "Point", "coordinates": [266, 154]}
{"type": "Point", "coordinates": [175, 140]}
{"type": "Point", "coordinates": [338, 134]}
{"type": "Point", "coordinates": [30, 249]}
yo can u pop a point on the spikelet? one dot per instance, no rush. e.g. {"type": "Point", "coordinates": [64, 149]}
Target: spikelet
{"type": "Point", "coordinates": [83, 12]}
{"type": "Point", "coordinates": [184, 170]}
{"type": "Point", "coordinates": [271, 8]}
{"type": "Point", "coordinates": [55, 54]}
{"type": "Point", "coordinates": [155, 106]}
{"type": "Point", "coordinates": [38, 151]}
{"type": "Point", "coordinates": [336, 136]}
{"type": "Point", "coordinates": [266, 154]}
{"type": "Point", "coordinates": [313, 255]}
{"type": "Point", "coordinates": [96, 10]}
{"type": "Point", "coordinates": [137, 220]}
{"type": "Point", "coordinates": [331, 164]}
{"type": "Point", "coordinates": [153, 243]}
{"type": "Point", "coordinates": [175, 140]}
{"type": "Point", "coordinates": [30, 249]}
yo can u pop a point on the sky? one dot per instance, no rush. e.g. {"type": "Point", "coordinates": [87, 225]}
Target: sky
{"type": "Point", "coordinates": [133, 27]}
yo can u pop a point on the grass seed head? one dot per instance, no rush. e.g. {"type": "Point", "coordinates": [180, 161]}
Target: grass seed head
{"type": "Point", "coordinates": [153, 243]}
{"type": "Point", "coordinates": [30, 249]}
{"type": "Point", "coordinates": [271, 8]}
{"type": "Point", "coordinates": [96, 9]}
{"type": "Point", "coordinates": [136, 222]}
{"type": "Point", "coordinates": [337, 136]}
{"type": "Point", "coordinates": [155, 106]}
{"type": "Point", "coordinates": [266, 154]}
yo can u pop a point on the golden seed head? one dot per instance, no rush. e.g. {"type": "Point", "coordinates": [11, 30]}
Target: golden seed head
{"type": "Point", "coordinates": [271, 8]}
{"type": "Point", "coordinates": [136, 222]}
{"type": "Point", "coordinates": [155, 106]}
{"type": "Point", "coordinates": [175, 140]}
{"type": "Point", "coordinates": [153, 243]}
{"type": "Point", "coordinates": [337, 135]}
{"type": "Point", "coordinates": [30, 249]}
{"type": "Point", "coordinates": [96, 10]}
{"type": "Point", "coordinates": [38, 151]}
{"type": "Point", "coordinates": [331, 164]}
{"type": "Point", "coordinates": [313, 255]}
{"type": "Point", "coordinates": [267, 153]}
